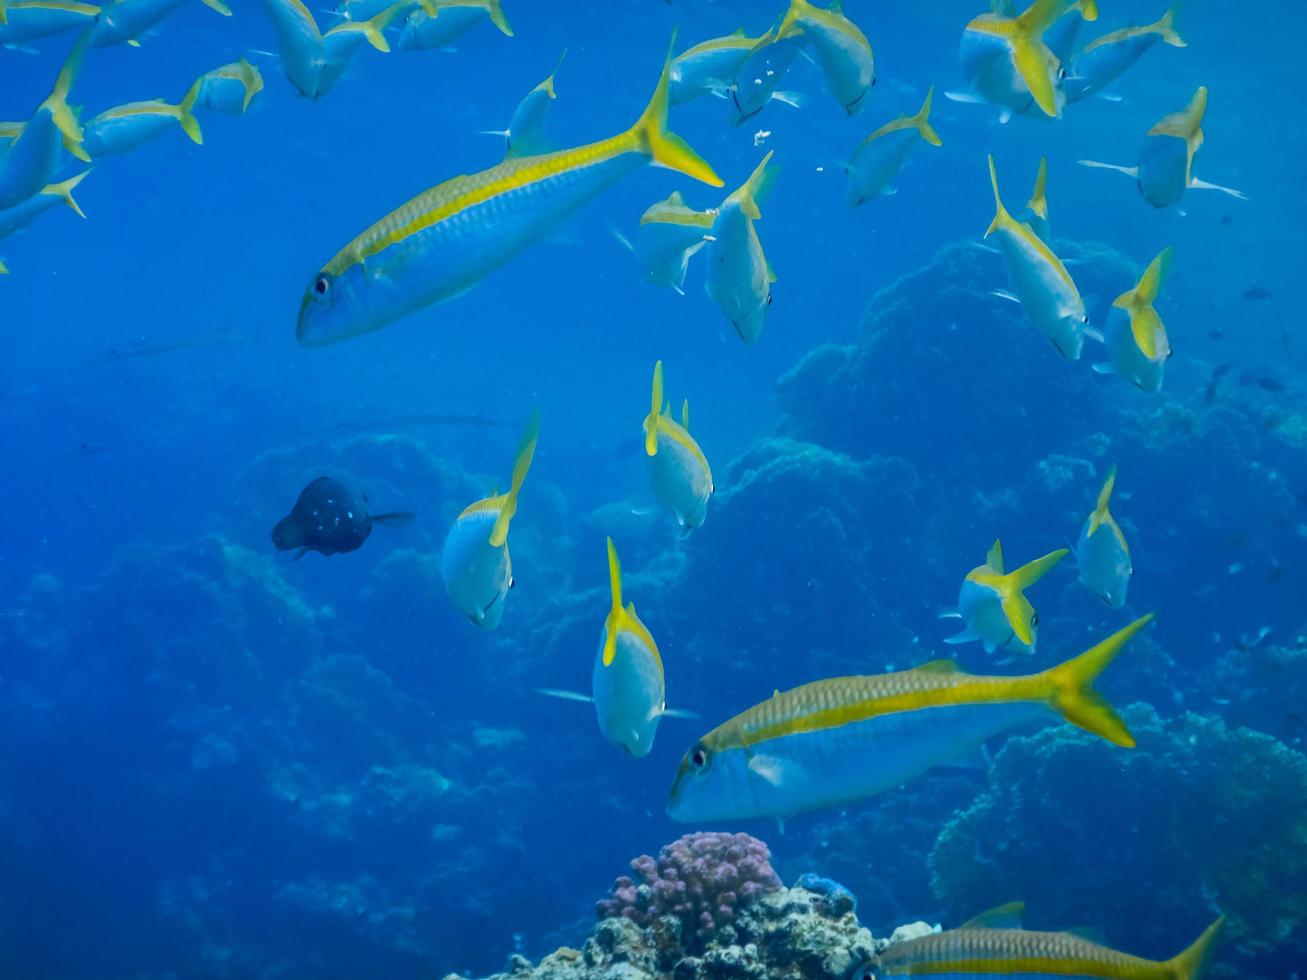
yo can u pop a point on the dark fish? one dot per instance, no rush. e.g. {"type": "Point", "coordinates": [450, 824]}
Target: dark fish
{"type": "Point", "coordinates": [330, 518]}
{"type": "Point", "coordinates": [1214, 382]}
{"type": "Point", "coordinates": [1257, 292]}
{"type": "Point", "coordinates": [1216, 333]}
{"type": "Point", "coordinates": [1269, 384]}
{"type": "Point", "coordinates": [1227, 220]}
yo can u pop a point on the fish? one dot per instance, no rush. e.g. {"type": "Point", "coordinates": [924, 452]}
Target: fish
{"type": "Point", "coordinates": [879, 158]}
{"type": "Point", "coordinates": [1257, 292]}
{"type": "Point", "coordinates": [168, 345]}
{"type": "Point", "coordinates": [330, 518]}
{"type": "Point", "coordinates": [841, 50]}
{"type": "Point", "coordinates": [1135, 337]}
{"type": "Point", "coordinates": [28, 20]}
{"type": "Point", "coordinates": [670, 234]}
{"type": "Point", "coordinates": [993, 606]}
{"type": "Point", "coordinates": [1166, 161]}
{"type": "Point", "coordinates": [739, 276]}
{"type": "Point", "coordinates": [837, 741]}
{"type": "Point", "coordinates": [994, 945]}
{"type": "Point", "coordinates": [758, 79]}
{"type": "Point", "coordinates": [231, 88]}
{"type": "Point", "coordinates": [1268, 384]}
{"type": "Point", "coordinates": [678, 470]}
{"type": "Point", "coordinates": [526, 129]}
{"type": "Point", "coordinates": [1105, 59]}
{"type": "Point", "coordinates": [1008, 65]}
{"type": "Point", "coordinates": [313, 61]}
{"type": "Point", "coordinates": [28, 162]}
{"type": "Point", "coordinates": [439, 23]}
{"type": "Point", "coordinates": [21, 215]}
{"type": "Point", "coordinates": [475, 564]}
{"type": "Point", "coordinates": [1102, 554]}
{"type": "Point", "coordinates": [1214, 382]}
{"type": "Point", "coordinates": [447, 239]}
{"type": "Point", "coordinates": [1042, 285]}
{"type": "Point", "coordinates": [1035, 213]}
{"type": "Point", "coordinates": [127, 127]}
{"type": "Point", "coordinates": [127, 20]}
{"type": "Point", "coordinates": [709, 66]}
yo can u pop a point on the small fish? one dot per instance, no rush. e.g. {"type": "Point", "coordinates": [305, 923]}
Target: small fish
{"type": "Point", "coordinates": [1102, 554]}
{"type": "Point", "coordinates": [670, 234]}
{"type": "Point", "coordinates": [682, 480]}
{"type": "Point", "coordinates": [313, 61]}
{"type": "Point", "coordinates": [447, 239]}
{"type": "Point", "coordinates": [21, 215]}
{"type": "Point", "coordinates": [1216, 333]}
{"type": "Point", "coordinates": [995, 945]}
{"type": "Point", "coordinates": [127, 127]}
{"type": "Point", "coordinates": [1042, 285]}
{"type": "Point", "coordinates": [1257, 292]}
{"type": "Point", "coordinates": [28, 162]}
{"type": "Point", "coordinates": [128, 20]}
{"type": "Point", "coordinates": [834, 742]}
{"type": "Point", "coordinates": [475, 564]}
{"type": "Point", "coordinates": [993, 606]}
{"type": "Point", "coordinates": [840, 49]}
{"type": "Point", "coordinates": [224, 339]}
{"type": "Point", "coordinates": [758, 79]}
{"type": "Point", "coordinates": [1269, 384]}
{"type": "Point", "coordinates": [331, 519]}
{"type": "Point", "coordinates": [439, 23]}
{"type": "Point", "coordinates": [1135, 337]}
{"type": "Point", "coordinates": [1214, 382]}
{"type": "Point", "coordinates": [1105, 59]}
{"type": "Point", "coordinates": [27, 20]}
{"type": "Point", "coordinates": [879, 158]}
{"type": "Point", "coordinates": [709, 66]}
{"type": "Point", "coordinates": [1166, 162]}
{"type": "Point", "coordinates": [1008, 64]}
{"type": "Point", "coordinates": [1035, 213]}
{"type": "Point", "coordinates": [231, 88]}
{"type": "Point", "coordinates": [739, 276]}
{"type": "Point", "coordinates": [525, 134]}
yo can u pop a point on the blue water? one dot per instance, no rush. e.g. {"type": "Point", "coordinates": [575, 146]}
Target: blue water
{"type": "Point", "coordinates": [219, 762]}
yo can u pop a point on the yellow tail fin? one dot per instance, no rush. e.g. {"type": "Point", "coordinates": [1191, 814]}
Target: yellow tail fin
{"type": "Point", "coordinates": [548, 83]}
{"type": "Point", "coordinates": [1166, 29]}
{"type": "Point", "coordinates": [755, 188]}
{"type": "Point", "coordinates": [1145, 324]}
{"type": "Point", "coordinates": [615, 613]}
{"type": "Point", "coordinates": [1150, 284]}
{"type": "Point", "coordinates": [1038, 202]}
{"type": "Point", "coordinates": [499, 534]}
{"type": "Point", "coordinates": [1001, 218]}
{"type": "Point", "coordinates": [922, 121]}
{"type": "Point", "coordinates": [190, 125]}
{"type": "Point", "coordinates": [655, 409]}
{"type": "Point", "coordinates": [1187, 124]}
{"type": "Point", "coordinates": [665, 147]}
{"type": "Point", "coordinates": [64, 189]}
{"type": "Point", "coordinates": [252, 79]}
{"type": "Point", "coordinates": [4, 19]}
{"type": "Point", "coordinates": [374, 27]}
{"type": "Point", "coordinates": [1031, 572]}
{"type": "Point", "coordinates": [217, 5]}
{"type": "Point", "coordinates": [1192, 962]}
{"type": "Point", "coordinates": [1016, 607]}
{"type": "Point", "coordinates": [3, 270]}
{"type": "Point", "coordinates": [496, 12]}
{"type": "Point", "coordinates": [1101, 514]}
{"type": "Point", "coordinates": [1072, 691]}
{"type": "Point", "coordinates": [56, 102]}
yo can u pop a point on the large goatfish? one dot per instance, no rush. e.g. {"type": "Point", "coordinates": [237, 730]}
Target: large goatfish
{"type": "Point", "coordinates": [1166, 162]}
{"type": "Point", "coordinates": [1135, 337]}
{"type": "Point", "coordinates": [128, 20]}
{"type": "Point", "coordinates": [475, 563]}
{"type": "Point", "coordinates": [879, 158]}
{"type": "Point", "coordinates": [839, 48]}
{"type": "Point", "coordinates": [447, 239]}
{"type": "Point", "coordinates": [993, 607]}
{"type": "Point", "coordinates": [995, 945]}
{"type": "Point", "coordinates": [837, 741]}
{"type": "Point", "coordinates": [678, 469]}
{"type": "Point", "coordinates": [739, 276]}
{"type": "Point", "coordinates": [1007, 62]}
{"type": "Point", "coordinates": [28, 162]}
{"type": "Point", "coordinates": [1105, 59]}
{"type": "Point", "coordinates": [1040, 281]}
{"type": "Point", "coordinates": [670, 233]}
{"type": "Point", "coordinates": [1101, 552]}
{"type": "Point", "coordinates": [26, 20]}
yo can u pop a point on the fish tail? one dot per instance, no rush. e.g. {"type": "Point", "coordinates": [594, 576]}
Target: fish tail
{"type": "Point", "coordinates": [496, 11]}
{"type": "Point", "coordinates": [4, 270]}
{"type": "Point", "coordinates": [1191, 963]}
{"type": "Point", "coordinates": [1038, 202]}
{"type": "Point", "coordinates": [756, 187]}
{"type": "Point", "coordinates": [253, 82]}
{"type": "Point", "coordinates": [1001, 217]}
{"type": "Point", "coordinates": [685, 414]}
{"type": "Point", "coordinates": [615, 615]}
{"type": "Point", "coordinates": [374, 27]}
{"type": "Point", "coordinates": [217, 5]}
{"type": "Point", "coordinates": [57, 101]}
{"type": "Point", "coordinates": [922, 121]}
{"type": "Point", "coordinates": [1187, 123]}
{"type": "Point", "coordinates": [1101, 513]}
{"type": "Point", "coordinates": [186, 115]}
{"type": "Point", "coordinates": [1016, 607]}
{"type": "Point", "coordinates": [65, 190]}
{"type": "Point", "coordinates": [1150, 283]}
{"type": "Point", "coordinates": [4, 19]}
{"type": "Point", "coordinates": [1042, 14]}
{"type": "Point", "coordinates": [665, 147]}
{"type": "Point", "coordinates": [1072, 692]}
{"type": "Point", "coordinates": [655, 409]}
{"type": "Point", "coordinates": [1165, 28]}
{"type": "Point", "coordinates": [526, 452]}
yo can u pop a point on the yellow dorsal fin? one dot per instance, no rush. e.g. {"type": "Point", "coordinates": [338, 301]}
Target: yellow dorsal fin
{"type": "Point", "coordinates": [1001, 218]}
{"type": "Point", "coordinates": [655, 409]}
{"type": "Point", "coordinates": [64, 189]}
{"type": "Point", "coordinates": [1007, 916]}
{"type": "Point", "coordinates": [937, 667]}
{"type": "Point", "coordinates": [1071, 688]}
{"type": "Point", "coordinates": [548, 84]}
{"type": "Point", "coordinates": [922, 120]}
{"type": "Point", "coordinates": [1101, 514]}
{"type": "Point", "coordinates": [1165, 29]}
{"type": "Point", "coordinates": [675, 198]}
{"type": "Point", "coordinates": [497, 17]}
{"type": "Point", "coordinates": [651, 134]}
{"type": "Point", "coordinates": [615, 609]}
{"type": "Point", "coordinates": [1038, 202]}
{"type": "Point", "coordinates": [685, 414]}
{"type": "Point", "coordinates": [1190, 964]}
{"type": "Point", "coordinates": [1187, 124]}
{"type": "Point", "coordinates": [1016, 607]}
{"type": "Point", "coordinates": [994, 560]}
{"type": "Point", "coordinates": [507, 509]}
{"type": "Point", "coordinates": [1145, 324]}
{"type": "Point", "coordinates": [252, 79]}
{"type": "Point", "coordinates": [755, 188]}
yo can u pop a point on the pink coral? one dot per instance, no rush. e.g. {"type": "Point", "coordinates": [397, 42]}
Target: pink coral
{"type": "Point", "coordinates": [703, 879]}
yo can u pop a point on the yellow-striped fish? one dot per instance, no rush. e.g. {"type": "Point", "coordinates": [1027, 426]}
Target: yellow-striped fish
{"type": "Point", "coordinates": [995, 945]}
{"type": "Point", "coordinates": [22, 214]}
{"type": "Point", "coordinates": [475, 563]}
{"type": "Point", "coordinates": [126, 127]}
{"type": "Point", "coordinates": [439, 23]}
{"type": "Point", "coordinates": [1102, 554]}
{"type": "Point", "coordinates": [314, 61]}
{"type": "Point", "coordinates": [669, 234]}
{"type": "Point", "coordinates": [444, 241]}
{"type": "Point", "coordinates": [879, 158]}
{"type": "Point", "coordinates": [678, 469]}
{"type": "Point", "coordinates": [841, 50]}
{"type": "Point", "coordinates": [837, 741]}
{"type": "Point", "coordinates": [28, 162]}
{"type": "Point", "coordinates": [526, 129]}
{"type": "Point", "coordinates": [128, 20]}
{"type": "Point", "coordinates": [27, 20]}
{"type": "Point", "coordinates": [739, 275]}
{"type": "Point", "coordinates": [993, 607]}
{"type": "Point", "coordinates": [231, 88]}
{"type": "Point", "coordinates": [1136, 339]}
{"type": "Point", "coordinates": [1105, 59]}
{"type": "Point", "coordinates": [709, 66]}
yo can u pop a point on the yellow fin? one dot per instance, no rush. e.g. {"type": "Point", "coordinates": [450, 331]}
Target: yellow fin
{"type": "Point", "coordinates": [548, 83]}
{"type": "Point", "coordinates": [1072, 694]}
{"type": "Point", "coordinates": [755, 188]}
{"type": "Point", "coordinates": [1038, 67]}
{"type": "Point", "coordinates": [1001, 218]}
{"type": "Point", "coordinates": [57, 101]}
{"type": "Point", "coordinates": [655, 409]}
{"type": "Point", "coordinates": [1192, 962]}
{"type": "Point", "coordinates": [1031, 572]}
{"type": "Point", "coordinates": [937, 667]}
{"type": "Point", "coordinates": [373, 28]}
{"type": "Point", "coordinates": [922, 121]}
{"type": "Point", "coordinates": [1101, 514]}
{"type": "Point", "coordinates": [4, 19]}
{"type": "Point", "coordinates": [1165, 28]}
{"type": "Point", "coordinates": [508, 507]}
{"type": "Point", "coordinates": [217, 5]}
{"type": "Point", "coordinates": [685, 414]}
{"type": "Point", "coordinates": [4, 271]}
{"type": "Point", "coordinates": [1187, 124]}
{"type": "Point", "coordinates": [252, 79]}
{"type": "Point", "coordinates": [1038, 202]}
{"type": "Point", "coordinates": [1145, 324]}
{"type": "Point", "coordinates": [497, 17]}
{"type": "Point", "coordinates": [994, 560]}
{"type": "Point", "coordinates": [615, 612]}
{"type": "Point", "coordinates": [1006, 916]}
{"type": "Point", "coordinates": [1016, 607]}
{"type": "Point", "coordinates": [652, 135]}
{"type": "Point", "coordinates": [64, 189]}
{"type": "Point", "coordinates": [190, 125]}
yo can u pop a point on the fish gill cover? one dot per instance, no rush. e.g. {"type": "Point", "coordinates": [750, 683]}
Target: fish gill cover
{"type": "Point", "coordinates": [222, 760]}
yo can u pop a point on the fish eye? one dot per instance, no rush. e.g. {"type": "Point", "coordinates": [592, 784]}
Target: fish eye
{"type": "Point", "coordinates": [511, 581]}
{"type": "Point", "coordinates": [1085, 318]}
{"type": "Point", "coordinates": [1034, 619]}
{"type": "Point", "coordinates": [864, 972]}
{"type": "Point", "coordinates": [1061, 73]}
{"type": "Point", "coordinates": [699, 757]}
{"type": "Point", "coordinates": [322, 284]}
{"type": "Point", "coordinates": [769, 299]}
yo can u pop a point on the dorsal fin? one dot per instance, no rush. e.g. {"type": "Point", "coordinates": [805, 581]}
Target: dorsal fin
{"type": "Point", "coordinates": [1006, 916]}
{"type": "Point", "coordinates": [525, 453]}
{"type": "Point", "coordinates": [685, 415]}
{"type": "Point", "coordinates": [615, 611]}
{"type": "Point", "coordinates": [994, 560]}
{"type": "Point", "coordinates": [938, 667]}
{"type": "Point", "coordinates": [1101, 513]}
{"type": "Point", "coordinates": [655, 409]}
{"type": "Point", "coordinates": [675, 198]}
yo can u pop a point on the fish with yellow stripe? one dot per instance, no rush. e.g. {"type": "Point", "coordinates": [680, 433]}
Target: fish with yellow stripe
{"type": "Point", "coordinates": [739, 276]}
{"type": "Point", "coordinates": [841, 50]}
{"type": "Point", "coordinates": [682, 480]}
{"type": "Point", "coordinates": [439, 23]}
{"type": "Point", "coordinates": [1105, 59]}
{"type": "Point", "coordinates": [26, 20]}
{"type": "Point", "coordinates": [24, 213]}
{"type": "Point", "coordinates": [670, 233]}
{"type": "Point", "coordinates": [525, 134]}
{"type": "Point", "coordinates": [1135, 336]}
{"type": "Point", "coordinates": [879, 158]}
{"type": "Point", "coordinates": [1040, 281]}
{"type": "Point", "coordinates": [230, 88]}
{"type": "Point", "coordinates": [447, 239]}
{"type": "Point", "coordinates": [1102, 553]}
{"type": "Point", "coordinates": [837, 741]}
{"type": "Point", "coordinates": [29, 160]}
{"type": "Point", "coordinates": [126, 127]}
{"type": "Point", "coordinates": [995, 945]}
{"type": "Point", "coordinates": [128, 20]}
{"type": "Point", "coordinates": [474, 563]}
{"type": "Point", "coordinates": [314, 61]}
{"type": "Point", "coordinates": [710, 66]}
{"type": "Point", "coordinates": [993, 607]}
